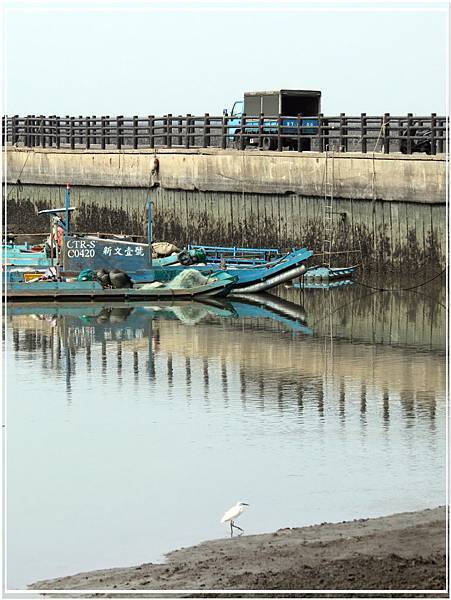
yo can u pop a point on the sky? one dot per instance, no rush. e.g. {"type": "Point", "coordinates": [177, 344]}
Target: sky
{"type": "Point", "coordinates": [140, 58]}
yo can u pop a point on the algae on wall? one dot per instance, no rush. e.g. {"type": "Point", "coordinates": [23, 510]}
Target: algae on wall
{"type": "Point", "coordinates": [379, 235]}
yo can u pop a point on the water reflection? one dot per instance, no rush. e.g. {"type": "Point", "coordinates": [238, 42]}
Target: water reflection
{"type": "Point", "coordinates": [229, 333]}
{"type": "Point", "coordinates": [290, 400]}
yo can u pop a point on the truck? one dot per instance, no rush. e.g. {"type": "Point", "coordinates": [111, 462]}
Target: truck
{"type": "Point", "coordinates": [255, 119]}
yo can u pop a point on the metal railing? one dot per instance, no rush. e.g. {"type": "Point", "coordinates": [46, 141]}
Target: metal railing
{"type": "Point", "coordinates": [343, 133]}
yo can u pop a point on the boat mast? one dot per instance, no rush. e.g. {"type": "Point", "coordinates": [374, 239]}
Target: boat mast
{"type": "Point", "coordinates": [149, 229]}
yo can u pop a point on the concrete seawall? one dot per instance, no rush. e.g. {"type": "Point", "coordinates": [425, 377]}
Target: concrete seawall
{"type": "Point", "coordinates": [389, 209]}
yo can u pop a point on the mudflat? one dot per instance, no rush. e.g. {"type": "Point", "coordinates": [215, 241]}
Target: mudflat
{"type": "Point", "coordinates": [404, 551]}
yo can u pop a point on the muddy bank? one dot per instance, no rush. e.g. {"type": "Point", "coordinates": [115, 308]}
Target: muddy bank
{"type": "Point", "coordinates": [405, 551]}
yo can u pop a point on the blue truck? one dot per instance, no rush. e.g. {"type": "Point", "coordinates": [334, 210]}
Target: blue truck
{"type": "Point", "coordinates": [254, 121]}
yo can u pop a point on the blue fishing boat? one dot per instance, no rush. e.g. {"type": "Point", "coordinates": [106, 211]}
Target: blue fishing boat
{"type": "Point", "coordinates": [232, 256]}
{"type": "Point", "coordinates": [329, 274]}
{"type": "Point", "coordinates": [25, 255]}
{"type": "Point", "coordinates": [313, 284]}
{"type": "Point", "coordinates": [72, 253]}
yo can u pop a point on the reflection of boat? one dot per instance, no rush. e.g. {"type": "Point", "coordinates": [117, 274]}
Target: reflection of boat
{"type": "Point", "coordinates": [219, 284]}
{"type": "Point", "coordinates": [258, 306]}
{"type": "Point", "coordinates": [254, 306]}
{"type": "Point", "coordinates": [274, 309]}
{"type": "Point", "coordinates": [114, 316]}
{"type": "Point", "coordinates": [307, 284]}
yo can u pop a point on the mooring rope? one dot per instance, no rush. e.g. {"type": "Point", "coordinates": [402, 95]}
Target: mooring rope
{"type": "Point", "coordinates": [400, 289]}
{"type": "Point", "coordinates": [18, 182]}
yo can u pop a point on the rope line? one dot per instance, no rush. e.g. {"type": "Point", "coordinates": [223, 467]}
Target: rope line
{"type": "Point", "coordinates": [343, 306]}
{"type": "Point", "coordinates": [400, 289]}
{"type": "Point", "coordinates": [18, 182]}
{"type": "Point", "coordinates": [376, 289]}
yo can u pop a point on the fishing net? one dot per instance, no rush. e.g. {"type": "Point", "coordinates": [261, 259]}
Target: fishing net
{"type": "Point", "coordinates": [190, 315]}
{"type": "Point", "coordinates": [188, 278]}
{"type": "Point", "coordinates": [152, 286]}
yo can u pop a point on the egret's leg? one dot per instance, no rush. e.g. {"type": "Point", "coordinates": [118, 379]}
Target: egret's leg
{"type": "Point", "coordinates": [231, 528]}
{"type": "Point", "coordinates": [236, 527]}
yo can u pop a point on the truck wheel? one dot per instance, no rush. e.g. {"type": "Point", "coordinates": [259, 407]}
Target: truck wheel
{"type": "Point", "coordinates": [268, 143]}
{"type": "Point", "coordinates": [305, 145]}
{"type": "Point", "coordinates": [237, 141]}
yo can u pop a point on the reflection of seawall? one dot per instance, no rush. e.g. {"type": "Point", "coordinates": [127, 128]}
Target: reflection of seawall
{"type": "Point", "coordinates": [286, 358]}
{"type": "Point", "coordinates": [409, 319]}
{"type": "Point", "coordinates": [372, 337]}
{"type": "Point", "coordinates": [272, 364]}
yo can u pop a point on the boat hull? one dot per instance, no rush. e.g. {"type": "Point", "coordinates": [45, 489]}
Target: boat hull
{"type": "Point", "coordinates": [82, 291]}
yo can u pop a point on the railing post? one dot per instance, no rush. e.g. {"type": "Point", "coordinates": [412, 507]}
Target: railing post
{"type": "Point", "coordinates": [279, 134]}
{"type": "Point", "coordinates": [261, 129]}
{"type": "Point", "coordinates": [94, 129]}
{"type": "Point", "coordinates": [4, 131]}
{"type": "Point", "coordinates": [58, 132]}
{"type": "Point", "coordinates": [441, 136]}
{"type": "Point", "coordinates": [87, 133]}
{"type": "Point", "coordinates": [193, 131]}
{"type": "Point", "coordinates": [242, 128]}
{"type": "Point", "coordinates": [51, 121]}
{"type": "Point", "coordinates": [179, 130]}
{"type": "Point", "coordinates": [187, 130]}
{"type": "Point", "coordinates": [363, 132]}
{"type": "Point", "coordinates": [206, 136]}
{"type": "Point", "coordinates": [224, 136]}
{"type": "Point", "coordinates": [32, 131]}
{"type": "Point", "coordinates": [135, 132]}
{"type": "Point", "coordinates": [343, 133]}
{"type": "Point", "coordinates": [66, 126]}
{"type": "Point", "coordinates": [298, 132]}
{"type": "Point", "coordinates": [108, 130]}
{"type": "Point", "coordinates": [7, 121]}
{"type": "Point", "coordinates": [170, 130]}
{"type": "Point", "coordinates": [119, 131]}
{"type": "Point", "coordinates": [102, 133]}
{"type": "Point", "coordinates": [22, 130]}
{"type": "Point", "coordinates": [80, 129]}
{"type": "Point", "coordinates": [166, 131]}
{"type": "Point", "coordinates": [26, 138]}
{"type": "Point", "coordinates": [72, 133]}
{"type": "Point", "coordinates": [409, 136]}
{"type": "Point", "coordinates": [433, 133]}
{"type": "Point", "coordinates": [42, 130]}
{"type": "Point", "coordinates": [387, 133]}
{"type": "Point", "coordinates": [321, 132]}
{"type": "Point", "coordinates": [151, 126]}
{"type": "Point", "coordinates": [14, 135]}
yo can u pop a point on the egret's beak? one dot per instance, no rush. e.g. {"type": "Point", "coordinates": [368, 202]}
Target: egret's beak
{"type": "Point", "coordinates": [245, 503]}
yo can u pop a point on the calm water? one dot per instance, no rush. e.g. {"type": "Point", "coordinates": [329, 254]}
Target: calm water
{"type": "Point", "coordinates": [131, 430]}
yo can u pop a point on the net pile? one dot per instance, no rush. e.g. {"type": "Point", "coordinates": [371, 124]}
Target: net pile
{"type": "Point", "coordinates": [188, 278]}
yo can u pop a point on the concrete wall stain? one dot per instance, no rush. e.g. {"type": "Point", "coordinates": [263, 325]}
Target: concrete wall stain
{"type": "Point", "coordinates": [382, 235]}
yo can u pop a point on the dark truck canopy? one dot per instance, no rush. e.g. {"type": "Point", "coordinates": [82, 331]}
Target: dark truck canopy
{"type": "Point", "coordinates": [283, 102]}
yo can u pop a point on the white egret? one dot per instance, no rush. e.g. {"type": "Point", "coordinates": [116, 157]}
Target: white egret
{"type": "Point", "coordinates": [232, 514]}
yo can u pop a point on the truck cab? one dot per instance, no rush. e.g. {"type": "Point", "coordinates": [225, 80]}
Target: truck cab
{"type": "Point", "coordinates": [271, 104]}
{"type": "Point", "coordinates": [237, 109]}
